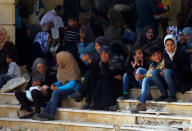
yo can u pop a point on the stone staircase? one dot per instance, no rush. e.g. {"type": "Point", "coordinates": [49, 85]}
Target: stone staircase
{"type": "Point", "coordinates": [70, 118]}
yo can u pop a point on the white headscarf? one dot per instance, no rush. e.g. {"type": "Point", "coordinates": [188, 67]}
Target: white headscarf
{"type": "Point", "coordinates": [170, 37]}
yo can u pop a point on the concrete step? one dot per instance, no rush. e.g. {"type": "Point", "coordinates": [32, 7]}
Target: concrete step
{"type": "Point", "coordinates": [178, 108]}
{"type": "Point", "coordinates": [58, 125]}
{"type": "Point", "coordinates": [114, 118]}
{"type": "Point", "coordinates": [187, 96]}
{"type": "Point", "coordinates": [33, 125]}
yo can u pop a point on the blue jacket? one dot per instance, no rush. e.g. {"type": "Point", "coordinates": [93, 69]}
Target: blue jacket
{"type": "Point", "coordinates": [70, 85]}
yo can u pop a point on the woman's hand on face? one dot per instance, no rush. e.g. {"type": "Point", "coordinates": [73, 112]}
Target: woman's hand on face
{"type": "Point", "coordinates": [54, 88]}
{"type": "Point", "coordinates": [86, 58]}
{"type": "Point", "coordinates": [139, 77]}
{"type": "Point", "coordinates": [119, 77]}
{"type": "Point", "coordinates": [36, 83]}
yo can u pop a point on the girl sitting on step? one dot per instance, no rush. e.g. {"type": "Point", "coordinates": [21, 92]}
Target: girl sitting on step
{"type": "Point", "coordinates": [157, 62]}
{"type": "Point", "coordinates": [135, 61]}
{"type": "Point", "coordinates": [177, 73]}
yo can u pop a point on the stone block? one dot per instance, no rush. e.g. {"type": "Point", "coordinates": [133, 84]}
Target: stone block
{"type": "Point", "coordinates": [7, 12]}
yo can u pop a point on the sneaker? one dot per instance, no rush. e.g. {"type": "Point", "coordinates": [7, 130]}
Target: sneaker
{"type": "Point", "coordinates": [161, 98]}
{"type": "Point", "coordinates": [139, 107]}
{"type": "Point", "coordinates": [124, 97]}
{"type": "Point", "coordinates": [85, 106]}
{"type": "Point", "coordinates": [27, 116]}
{"type": "Point", "coordinates": [171, 99]}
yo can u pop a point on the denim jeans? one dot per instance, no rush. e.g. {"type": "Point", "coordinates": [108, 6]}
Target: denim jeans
{"type": "Point", "coordinates": [4, 79]}
{"type": "Point", "coordinates": [128, 80]}
{"type": "Point", "coordinates": [56, 97]}
{"type": "Point", "coordinates": [168, 80]}
{"type": "Point", "coordinates": [146, 84]}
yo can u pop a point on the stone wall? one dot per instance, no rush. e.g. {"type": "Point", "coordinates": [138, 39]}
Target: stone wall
{"type": "Point", "coordinates": [7, 13]}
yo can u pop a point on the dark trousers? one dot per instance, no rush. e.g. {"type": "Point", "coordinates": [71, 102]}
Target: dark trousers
{"type": "Point", "coordinates": [38, 101]}
{"type": "Point", "coordinates": [88, 85]}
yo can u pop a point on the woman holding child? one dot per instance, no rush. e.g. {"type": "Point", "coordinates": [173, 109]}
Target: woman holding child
{"type": "Point", "coordinates": [37, 90]}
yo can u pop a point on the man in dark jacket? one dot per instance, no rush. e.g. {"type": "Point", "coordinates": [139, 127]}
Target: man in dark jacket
{"type": "Point", "coordinates": [145, 11]}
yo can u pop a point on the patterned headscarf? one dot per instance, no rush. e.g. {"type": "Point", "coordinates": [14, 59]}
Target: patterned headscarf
{"type": "Point", "coordinates": [36, 76]}
{"type": "Point", "coordinates": [175, 32]}
{"type": "Point", "coordinates": [42, 39]}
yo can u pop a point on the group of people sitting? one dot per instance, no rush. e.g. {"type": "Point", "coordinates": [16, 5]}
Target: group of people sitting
{"type": "Point", "coordinates": [59, 57]}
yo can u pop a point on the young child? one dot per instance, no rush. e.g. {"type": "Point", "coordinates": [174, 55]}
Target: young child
{"type": "Point", "coordinates": [157, 62]}
{"type": "Point", "coordinates": [71, 36]}
{"type": "Point", "coordinates": [177, 73]}
{"type": "Point", "coordinates": [13, 70]}
{"type": "Point", "coordinates": [134, 63]}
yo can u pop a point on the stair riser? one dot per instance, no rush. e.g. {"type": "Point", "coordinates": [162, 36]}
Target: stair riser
{"type": "Point", "coordinates": [26, 126]}
{"type": "Point", "coordinates": [95, 117]}
{"type": "Point", "coordinates": [100, 117]}
{"type": "Point", "coordinates": [134, 93]}
{"type": "Point", "coordinates": [177, 109]}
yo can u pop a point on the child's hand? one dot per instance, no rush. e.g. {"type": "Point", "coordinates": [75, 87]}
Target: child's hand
{"type": "Point", "coordinates": [119, 77]}
{"type": "Point", "coordinates": [136, 61]}
{"type": "Point", "coordinates": [139, 77]}
{"type": "Point", "coordinates": [36, 83]}
{"type": "Point", "coordinates": [54, 88]}
{"type": "Point", "coordinates": [162, 72]}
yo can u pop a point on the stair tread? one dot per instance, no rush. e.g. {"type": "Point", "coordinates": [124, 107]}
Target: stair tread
{"type": "Point", "coordinates": [89, 124]}
{"type": "Point", "coordinates": [58, 122]}
{"type": "Point", "coordinates": [76, 110]}
{"type": "Point", "coordinates": [162, 102]}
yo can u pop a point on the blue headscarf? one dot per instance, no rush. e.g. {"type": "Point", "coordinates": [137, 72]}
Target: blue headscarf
{"type": "Point", "coordinates": [188, 31]}
{"type": "Point", "coordinates": [42, 39]}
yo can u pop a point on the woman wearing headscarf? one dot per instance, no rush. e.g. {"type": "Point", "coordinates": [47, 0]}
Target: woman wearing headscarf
{"type": "Point", "coordinates": [68, 77]}
{"type": "Point", "coordinates": [40, 47]}
{"type": "Point", "coordinates": [89, 83]}
{"type": "Point", "coordinates": [37, 91]}
{"type": "Point", "coordinates": [148, 37]}
{"type": "Point", "coordinates": [109, 85]}
{"type": "Point", "coordinates": [187, 39]}
{"type": "Point", "coordinates": [177, 73]}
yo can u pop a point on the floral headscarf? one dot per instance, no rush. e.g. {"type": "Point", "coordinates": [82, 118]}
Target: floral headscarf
{"type": "Point", "coordinates": [42, 39]}
{"type": "Point", "coordinates": [175, 32]}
